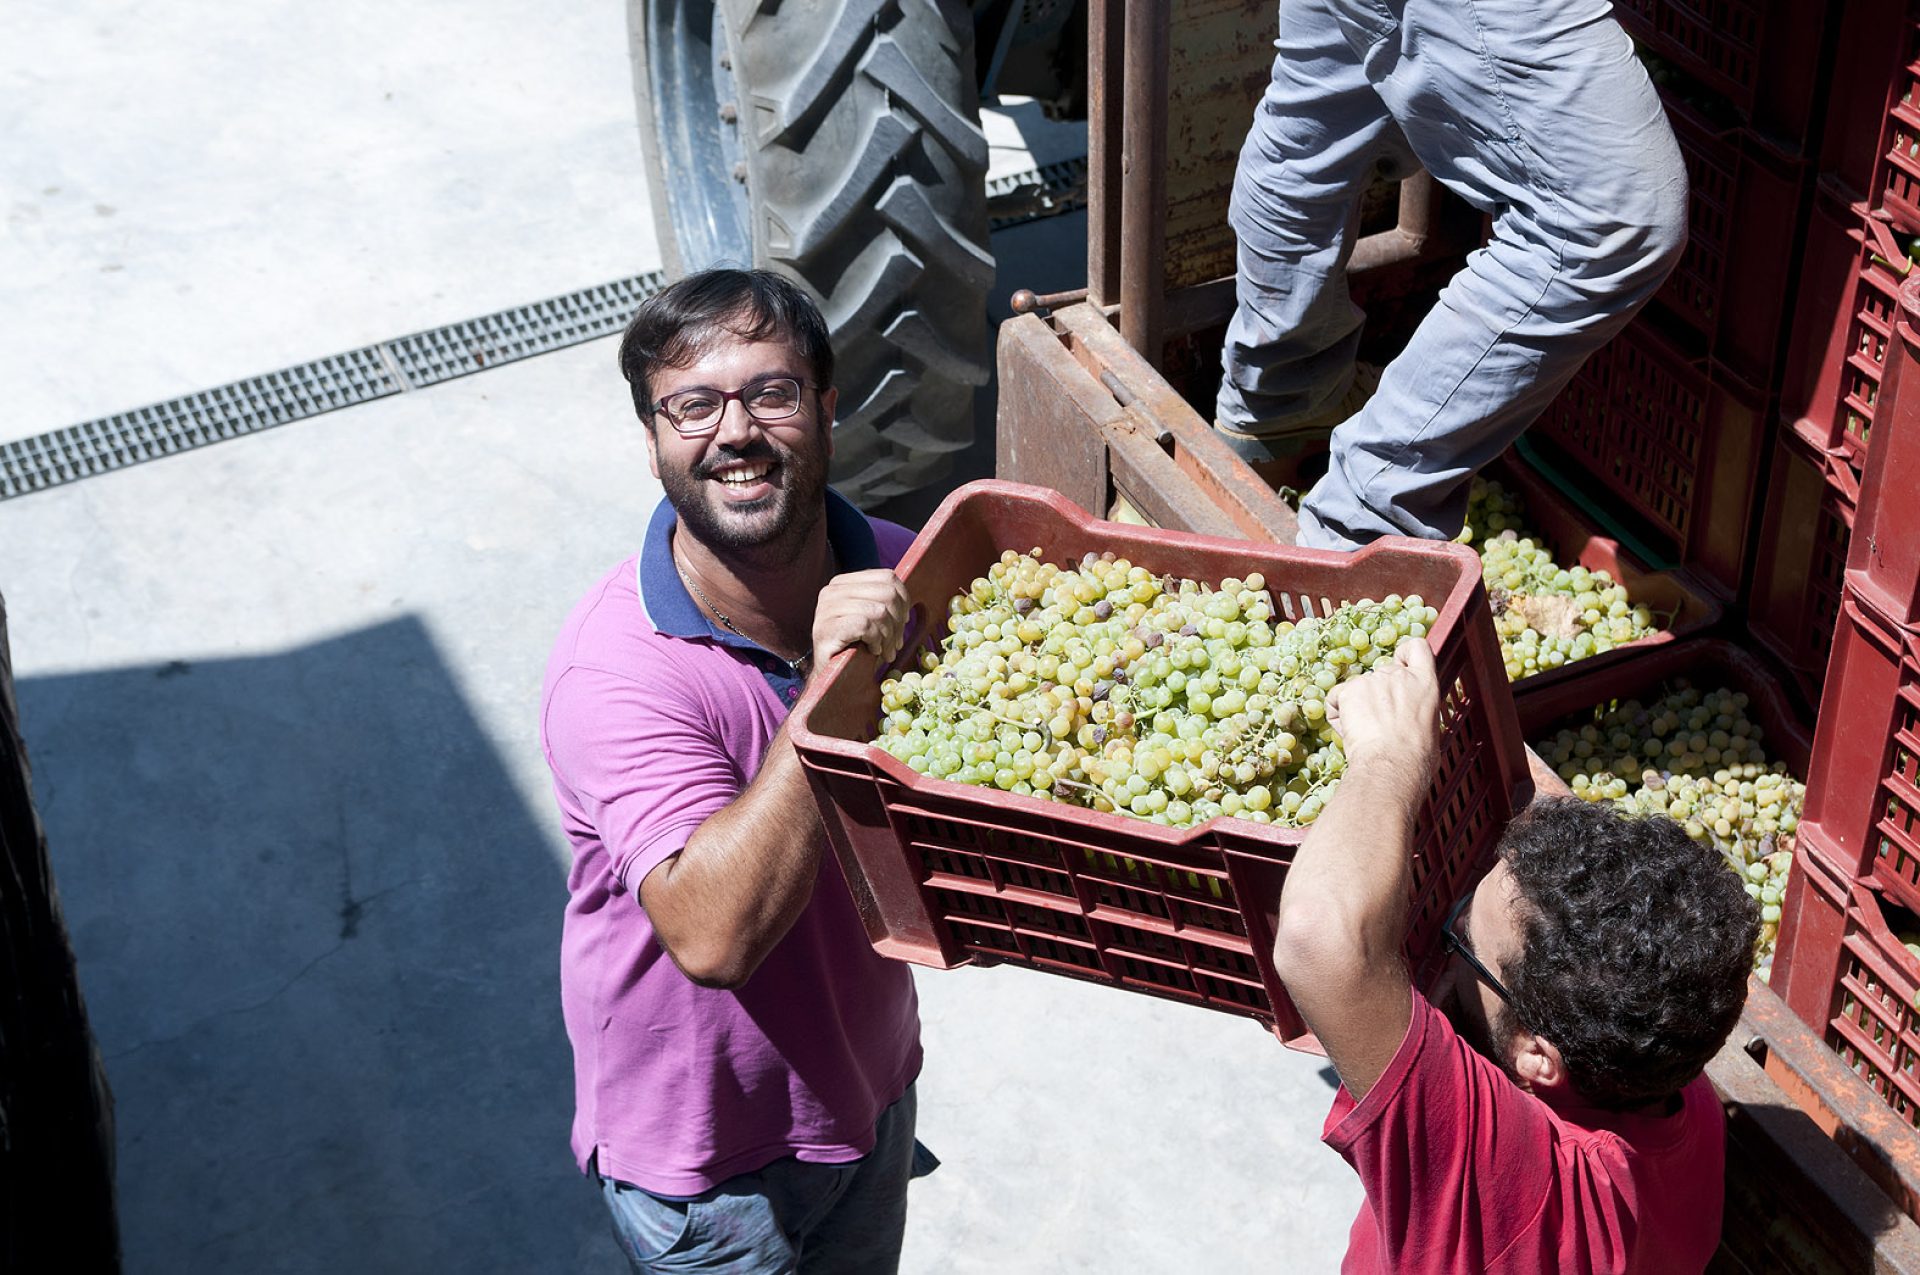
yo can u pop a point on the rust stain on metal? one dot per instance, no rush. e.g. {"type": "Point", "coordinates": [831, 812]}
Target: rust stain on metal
{"type": "Point", "coordinates": [1798, 1197]}
{"type": "Point", "coordinates": [1221, 57]}
{"type": "Point", "coordinates": [1027, 301]}
{"type": "Point", "coordinates": [1880, 1140]}
{"type": "Point", "coordinates": [1050, 415]}
{"type": "Point", "coordinates": [1157, 487]}
{"type": "Point", "coordinates": [1221, 478]}
{"type": "Point", "coordinates": [1261, 514]}
{"type": "Point", "coordinates": [1143, 191]}
{"type": "Point", "coordinates": [1106, 20]}
{"type": "Point", "coordinates": [1080, 408]}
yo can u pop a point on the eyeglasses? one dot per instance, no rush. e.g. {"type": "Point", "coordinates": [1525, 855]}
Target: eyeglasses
{"type": "Point", "coordinates": [1455, 943]}
{"type": "Point", "coordinates": [696, 412]}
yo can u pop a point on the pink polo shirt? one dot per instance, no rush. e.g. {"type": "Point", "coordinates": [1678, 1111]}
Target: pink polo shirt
{"type": "Point", "coordinates": [652, 720]}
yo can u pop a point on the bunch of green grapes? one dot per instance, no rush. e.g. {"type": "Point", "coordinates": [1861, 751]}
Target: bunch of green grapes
{"type": "Point", "coordinates": [1109, 687]}
{"type": "Point", "coordinates": [1697, 758]}
{"type": "Point", "coordinates": [1546, 615]}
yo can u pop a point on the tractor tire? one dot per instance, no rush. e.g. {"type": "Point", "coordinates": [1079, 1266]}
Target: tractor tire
{"type": "Point", "coordinates": [839, 143]}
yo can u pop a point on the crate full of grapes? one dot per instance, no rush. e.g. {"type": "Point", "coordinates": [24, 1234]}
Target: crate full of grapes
{"type": "Point", "coordinates": [1105, 742]}
{"type": "Point", "coordinates": [1701, 732]}
{"type": "Point", "coordinates": [1569, 604]}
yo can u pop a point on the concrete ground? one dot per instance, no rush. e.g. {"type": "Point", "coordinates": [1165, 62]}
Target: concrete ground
{"type": "Point", "coordinates": [281, 691]}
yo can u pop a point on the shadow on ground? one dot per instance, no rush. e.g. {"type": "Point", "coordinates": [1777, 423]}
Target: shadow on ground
{"type": "Point", "coordinates": [318, 933]}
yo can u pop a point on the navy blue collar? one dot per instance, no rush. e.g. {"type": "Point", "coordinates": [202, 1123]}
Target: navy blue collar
{"type": "Point", "coordinates": [673, 610]}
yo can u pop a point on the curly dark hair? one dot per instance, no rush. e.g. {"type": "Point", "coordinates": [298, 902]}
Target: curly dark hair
{"type": "Point", "coordinates": [681, 322]}
{"type": "Point", "coordinates": [1637, 944]}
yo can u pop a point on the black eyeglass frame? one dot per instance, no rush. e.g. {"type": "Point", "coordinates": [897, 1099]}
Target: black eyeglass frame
{"type": "Point", "coordinates": [659, 406]}
{"type": "Point", "coordinates": [1458, 945]}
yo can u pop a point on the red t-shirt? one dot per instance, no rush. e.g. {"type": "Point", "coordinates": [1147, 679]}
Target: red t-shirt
{"type": "Point", "coordinates": [1466, 1172]}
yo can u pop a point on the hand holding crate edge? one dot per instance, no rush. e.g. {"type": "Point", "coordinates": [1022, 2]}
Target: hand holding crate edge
{"type": "Point", "coordinates": [946, 875]}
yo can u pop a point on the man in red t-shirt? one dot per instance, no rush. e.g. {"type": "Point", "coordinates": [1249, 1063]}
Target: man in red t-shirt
{"type": "Point", "coordinates": [1555, 1117]}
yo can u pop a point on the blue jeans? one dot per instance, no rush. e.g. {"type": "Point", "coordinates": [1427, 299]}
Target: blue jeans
{"type": "Point", "coordinates": [791, 1216]}
{"type": "Point", "coordinates": [1534, 111]}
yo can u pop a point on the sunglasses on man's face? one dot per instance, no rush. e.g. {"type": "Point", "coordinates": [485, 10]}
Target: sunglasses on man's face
{"type": "Point", "coordinates": [1457, 945]}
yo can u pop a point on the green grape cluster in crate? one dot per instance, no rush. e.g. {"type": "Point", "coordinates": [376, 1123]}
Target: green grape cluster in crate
{"type": "Point", "coordinates": [1546, 615]}
{"type": "Point", "coordinates": [1107, 686]}
{"type": "Point", "coordinates": [1696, 757]}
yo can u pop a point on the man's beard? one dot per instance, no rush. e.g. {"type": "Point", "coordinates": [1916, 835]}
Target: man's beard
{"type": "Point", "coordinates": [1479, 1034]}
{"type": "Point", "coordinates": [771, 530]}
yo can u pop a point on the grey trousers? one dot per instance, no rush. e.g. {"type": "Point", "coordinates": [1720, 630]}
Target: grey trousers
{"type": "Point", "coordinates": [1535, 111]}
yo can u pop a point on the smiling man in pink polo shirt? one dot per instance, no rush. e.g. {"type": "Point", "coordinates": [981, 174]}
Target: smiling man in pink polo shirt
{"type": "Point", "coordinates": [743, 1061]}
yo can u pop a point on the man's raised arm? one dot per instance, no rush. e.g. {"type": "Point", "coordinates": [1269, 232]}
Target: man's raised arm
{"type": "Point", "coordinates": [1343, 909]}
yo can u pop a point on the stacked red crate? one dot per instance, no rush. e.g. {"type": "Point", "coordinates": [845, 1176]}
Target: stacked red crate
{"type": "Point", "coordinates": [1753, 55]}
{"type": "Point", "coordinates": [1875, 40]}
{"type": "Point", "coordinates": [1673, 441]}
{"type": "Point", "coordinates": [1850, 276]}
{"type": "Point", "coordinates": [1843, 963]}
{"type": "Point", "coordinates": [1855, 257]}
{"type": "Point", "coordinates": [1883, 566]}
{"type": "Point", "coordinates": [1743, 207]}
{"type": "Point", "coordinates": [1800, 559]}
{"type": "Point", "coordinates": [1897, 180]}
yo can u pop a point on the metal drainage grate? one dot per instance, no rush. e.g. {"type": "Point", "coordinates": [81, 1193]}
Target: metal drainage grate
{"type": "Point", "coordinates": [409, 362]}
{"type": "Point", "coordinates": [291, 394]}
{"type": "Point", "coordinates": [427, 358]}
{"type": "Point", "coordinates": [94, 447]}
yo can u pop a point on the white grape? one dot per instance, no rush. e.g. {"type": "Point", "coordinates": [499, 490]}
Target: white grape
{"type": "Point", "coordinates": [1106, 686]}
{"type": "Point", "coordinates": [1695, 757]}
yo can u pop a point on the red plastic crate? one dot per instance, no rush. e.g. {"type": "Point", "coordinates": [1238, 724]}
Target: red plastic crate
{"type": "Point", "coordinates": [1813, 922]}
{"type": "Point", "coordinates": [1840, 967]}
{"type": "Point", "coordinates": [1674, 441]}
{"type": "Point", "coordinates": [1800, 560]}
{"type": "Point", "coordinates": [948, 874]}
{"type": "Point", "coordinates": [1708, 663]}
{"type": "Point", "coordinates": [1743, 207]}
{"type": "Point", "coordinates": [1899, 180]}
{"type": "Point", "coordinates": [1884, 564]}
{"type": "Point", "coordinates": [1573, 540]}
{"type": "Point", "coordinates": [1842, 331]}
{"type": "Point", "coordinates": [1863, 796]}
{"type": "Point", "coordinates": [1758, 54]}
{"type": "Point", "coordinates": [1874, 37]}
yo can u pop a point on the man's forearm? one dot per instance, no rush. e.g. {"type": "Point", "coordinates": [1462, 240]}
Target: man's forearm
{"type": "Point", "coordinates": [1354, 862]}
{"type": "Point", "coordinates": [744, 877]}
{"type": "Point", "coordinates": [1343, 912]}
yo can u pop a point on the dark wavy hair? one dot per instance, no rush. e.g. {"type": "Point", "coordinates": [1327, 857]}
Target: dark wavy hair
{"type": "Point", "coordinates": [1637, 944]}
{"type": "Point", "coordinates": [681, 322]}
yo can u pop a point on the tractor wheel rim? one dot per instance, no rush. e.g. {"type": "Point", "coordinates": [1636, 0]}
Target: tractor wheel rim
{"type": "Point", "coordinates": [703, 154]}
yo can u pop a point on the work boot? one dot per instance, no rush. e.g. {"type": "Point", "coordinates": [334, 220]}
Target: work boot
{"type": "Point", "coordinates": [1292, 458]}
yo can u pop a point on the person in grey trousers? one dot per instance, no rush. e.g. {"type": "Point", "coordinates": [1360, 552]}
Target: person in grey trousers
{"type": "Point", "coordinates": [1534, 111]}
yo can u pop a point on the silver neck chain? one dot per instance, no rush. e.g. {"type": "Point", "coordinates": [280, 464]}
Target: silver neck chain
{"type": "Point", "coordinates": [798, 666]}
